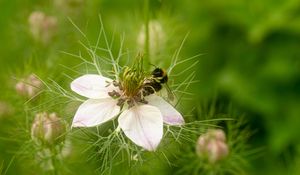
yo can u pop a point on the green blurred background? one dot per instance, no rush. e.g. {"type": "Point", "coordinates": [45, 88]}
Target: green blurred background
{"type": "Point", "coordinates": [251, 59]}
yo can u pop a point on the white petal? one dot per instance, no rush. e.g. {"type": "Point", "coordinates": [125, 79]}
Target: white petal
{"type": "Point", "coordinates": [170, 115]}
{"type": "Point", "coordinates": [94, 112]}
{"type": "Point", "coordinates": [143, 125]}
{"type": "Point", "coordinates": [92, 86]}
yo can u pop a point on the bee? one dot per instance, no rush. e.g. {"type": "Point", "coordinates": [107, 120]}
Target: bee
{"type": "Point", "coordinates": [155, 82]}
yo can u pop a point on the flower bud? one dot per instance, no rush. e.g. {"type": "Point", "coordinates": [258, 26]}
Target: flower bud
{"type": "Point", "coordinates": [156, 38]}
{"type": "Point", "coordinates": [67, 149]}
{"type": "Point", "coordinates": [217, 134]}
{"type": "Point", "coordinates": [29, 87]}
{"type": "Point", "coordinates": [69, 6]}
{"type": "Point", "coordinates": [43, 158]}
{"type": "Point", "coordinates": [217, 150]}
{"type": "Point", "coordinates": [21, 88]}
{"type": "Point", "coordinates": [42, 27]}
{"type": "Point", "coordinates": [212, 146]}
{"type": "Point", "coordinates": [47, 129]}
{"type": "Point", "coordinates": [5, 109]}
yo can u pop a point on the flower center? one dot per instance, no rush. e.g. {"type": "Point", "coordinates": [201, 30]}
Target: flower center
{"type": "Point", "coordinates": [131, 87]}
{"type": "Point", "coordinates": [132, 81]}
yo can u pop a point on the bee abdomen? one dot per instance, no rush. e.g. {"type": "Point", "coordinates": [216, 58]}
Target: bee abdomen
{"type": "Point", "coordinates": [151, 88]}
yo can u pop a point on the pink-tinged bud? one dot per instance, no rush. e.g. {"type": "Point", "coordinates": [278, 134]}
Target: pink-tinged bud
{"type": "Point", "coordinates": [5, 109]}
{"type": "Point", "coordinates": [216, 150]}
{"type": "Point", "coordinates": [67, 149]}
{"type": "Point", "coordinates": [21, 89]}
{"type": "Point", "coordinates": [29, 87]}
{"type": "Point", "coordinates": [43, 28]}
{"type": "Point", "coordinates": [212, 146]}
{"type": "Point", "coordinates": [218, 134]}
{"type": "Point", "coordinates": [69, 6]}
{"type": "Point", "coordinates": [48, 129]}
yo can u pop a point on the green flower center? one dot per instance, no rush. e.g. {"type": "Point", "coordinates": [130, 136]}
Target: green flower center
{"type": "Point", "coordinates": [132, 82]}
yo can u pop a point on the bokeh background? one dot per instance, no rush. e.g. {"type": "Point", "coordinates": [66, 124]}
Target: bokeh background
{"type": "Point", "coordinates": [250, 61]}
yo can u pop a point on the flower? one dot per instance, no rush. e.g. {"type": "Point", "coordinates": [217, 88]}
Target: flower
{"type": "Point", "coordinates": [140, 117]}
{"type": "Point", "coordinates": [212, 145]}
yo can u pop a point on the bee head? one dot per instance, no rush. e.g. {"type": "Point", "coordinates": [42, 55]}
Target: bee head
{"type": "Point", "coordinates": [160, 74]}
{"type": "Point", "coordinates": [157, 72]}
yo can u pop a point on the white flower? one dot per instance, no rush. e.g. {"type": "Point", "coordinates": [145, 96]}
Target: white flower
{"type": "Point", "coordinates": [142, 122]}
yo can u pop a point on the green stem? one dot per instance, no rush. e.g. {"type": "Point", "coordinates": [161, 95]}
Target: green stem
{"type": "Point", "coordinates": [146, 16]}
{"type": "Point", "coordinates": [54, 161]}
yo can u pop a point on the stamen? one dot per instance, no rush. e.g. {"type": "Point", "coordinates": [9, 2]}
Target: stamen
{"type": "Point", "coordinates": [111, 94]}
{"type": "Point", "coordinates": [130, 103]}
{"type": "Point", "coordinates": [143, 101]}
{"type": "Point", "coordinates": [121, 102]}
{"type": "Point", "coordinates": [116, 84]}
{"type": "Point", "coordinates": [108, 83]}
{"type": "Point", "coordinates": [114, 94]}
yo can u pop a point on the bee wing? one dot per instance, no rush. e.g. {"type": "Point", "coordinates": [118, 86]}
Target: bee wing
{"type": "Point", "coordinates": [171, 95]}
{"type": "Point", "coordinates": [168, 93]}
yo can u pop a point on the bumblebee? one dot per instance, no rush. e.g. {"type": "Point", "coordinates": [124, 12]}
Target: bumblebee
{"type": "Point", "coordinates": [155, 82]}
{"type": "Point", "coordinates": [160, 75]}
